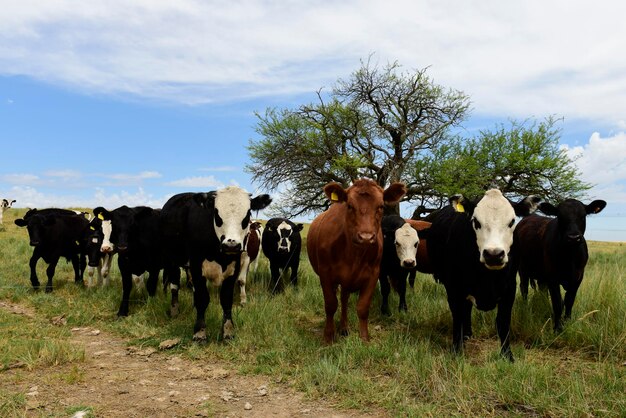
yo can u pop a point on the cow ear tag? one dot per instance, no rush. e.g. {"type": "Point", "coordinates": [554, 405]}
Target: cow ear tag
{"type": "Point", "coordinates": [100, 216]}
{"type": "Point", "coordinates": [460, 208]}
{"type": "Point", "coordinates": [92, 228]}
{"type": "Point", "coordinates": [334, 197]}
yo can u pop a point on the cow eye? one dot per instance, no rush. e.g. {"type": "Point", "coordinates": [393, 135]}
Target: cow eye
{"type": "Point", "coordinates": [476, 223]}
{"type": "Point", "coordinates": [246, 220]}
{"type": "Point", "coordinates": [218, 220]}
{"type": "Point", "coordinates": [415, 245]}
{"type": "Point", "coordinates": [511, 223]}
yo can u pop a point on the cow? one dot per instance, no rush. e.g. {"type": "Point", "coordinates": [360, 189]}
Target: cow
{"type": "Point", "coordinates": [281, 244]}
{"type": "Point", "coordinates": [55, 233]}
{"type": "Point", "coordinates": [207, 230]}
{"type": "Point", "coordinates": [250, 256]}
{"type": "Point", "coordinates": [135, 236]}
{"type": "Point", "coordinates": [423, 264]}
{"type": "Point", "coordinates": [470, 248]}
{"type": "Point", "coordinates": [4, 205]}
{"type": "Point", "coordinates": [345, 245]}
{"type": "Point", "coordinates": [98, 261]}
{"type": "Point", "coordinates": [400, 244]}
{"type": "Point", "coordinates": [553, 251]}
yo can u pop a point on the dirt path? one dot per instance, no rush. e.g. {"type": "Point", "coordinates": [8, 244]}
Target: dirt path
{"type": "Point", "coordinates": [120, 381]}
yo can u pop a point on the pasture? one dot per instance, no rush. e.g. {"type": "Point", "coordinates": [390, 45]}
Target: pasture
{"type": "Point", "coordinates": [406, 370]}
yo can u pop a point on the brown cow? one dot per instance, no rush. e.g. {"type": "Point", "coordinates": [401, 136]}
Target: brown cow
{"type": "Point", "coordinates": [250, 255]}
{"type": "Point", "coordinates": [345, 246]}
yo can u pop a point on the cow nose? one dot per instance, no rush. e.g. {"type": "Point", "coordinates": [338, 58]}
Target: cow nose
{"type": "Point", "coordinates": [34, 243]}
{"type": "Point", "coordinates": [122, 248]}
{"type": "Point", "coordinates": [366, 237]}
{"type": "Point", "coordinates": [574, 237]}
{"type": "Point", "coordinates": [408, 263]}
{"type": "Point", "coordinates": [231, 246]}
{"type": "Point", "coordinates": [106, 249]}
{"type": "Point", "coordinates": [493, 257]}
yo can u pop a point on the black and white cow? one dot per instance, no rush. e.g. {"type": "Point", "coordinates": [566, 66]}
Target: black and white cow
{"type": "Point", "coordinates": [553, 251]}
{"type": "Point", "coordinates": [98, 261]}
{"type": "Point", "coordinates": [400, 244]}
{"type": "Point", "coordinates": [470, 246]}
{"type": "Point", "coordinates": [207, 230]}
{"type": "Point", "coordinates": [4, 205]}
{"type": "Point", "coordinates": [135, 236]}
{"type": "Point", "coordinates": [281, 244]}
{"type": "Point", "coordinates": [55, 233]}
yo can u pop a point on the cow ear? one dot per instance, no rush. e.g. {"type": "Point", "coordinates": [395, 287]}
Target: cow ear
{"type": "Point", "coordinates": [205, 200]}
{"type": "Point", "coordinates": [394, 193]}
{"type": "Point", "coordinates": [595, 207]}
{"type": "Point", "coordinates": [299, 227]}
{"type": "Point", "coordinates": [101, 213]}
{"type": "Point", "coordinates": [424, 233]}
{"type": "Point", "coordinates": [335, 192]}
{"type": "Point", "coordinates": [461, 204]}
{"type": "Point", "coordinates": [548, 208]}
{"type": "Point", "coordinates": [527, 205]}
{"type": "Point", "coordinates": [260, 202]}
{"type": "Point", "coordinates": [20, 222]}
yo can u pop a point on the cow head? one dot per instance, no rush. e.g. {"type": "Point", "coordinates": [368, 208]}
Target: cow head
{"type": "Point", "coordinates": [117, 226]}
{"type": "Point", "coordinates": [571, 215]}
{"type": "Point", "coordinates": [95, 237]}
{"type": "Point", "coordinates": [6, 203]}
{"type": "Point", "coordinates": [36, 225]}
{"type": "Point", "coordinates": [364, 202]}
{"type": "Point", "coordinates": [493, 221]}
{"type": "Point", "coordinates": [232, 208]}
{"type": "Point", "coordinates": [283, 232]}
{"type": "Point", "coordinates": [400, 238]}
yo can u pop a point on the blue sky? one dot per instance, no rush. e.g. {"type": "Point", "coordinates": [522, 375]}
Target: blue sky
{"type": "Point", "coordinates": [129, 102]}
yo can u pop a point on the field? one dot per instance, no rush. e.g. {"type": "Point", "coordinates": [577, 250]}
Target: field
{"type": "Point", "coordinates": [66, 352]}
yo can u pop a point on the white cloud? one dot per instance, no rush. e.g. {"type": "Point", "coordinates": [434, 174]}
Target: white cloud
{"type": "Point", "coordinates": [514, 59]}
{"type": "Point", "coordinates": [64, 175]}
{"type": "Point", "coordinates": [206, 182]}
{"type": "Point", "coordinates": [220, 169]}
{"type": "Point", "coordinates": [123, 179]}
{"type": "Point", "coordinates": [23, 179]}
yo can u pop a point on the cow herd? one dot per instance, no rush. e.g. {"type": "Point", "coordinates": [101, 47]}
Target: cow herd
{"type": "Point", "coordinates": [474, 248]}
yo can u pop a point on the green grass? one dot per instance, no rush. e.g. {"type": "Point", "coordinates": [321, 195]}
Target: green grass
{"type": "Point", "coordinates": [406, 370]}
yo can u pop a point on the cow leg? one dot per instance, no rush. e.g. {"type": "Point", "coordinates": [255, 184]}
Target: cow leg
{"type": "Point", "coordinates": [467, 319]}
{"type": "Point", "coordinates": [201, 299]}
{"type": "Point", "coordinates": [106, 267]}
{"type": "Point", "coordinates": [330, 307]}
{"type": "Point", "coordinates": [401, 289]}
{"type": "Point", "coordinates": [557, 306]}
{"type": "Point", "coordinates": [570, 296]}
{"type": "Point", "coordinates": [226, 300]}
{"type": "Point", "coordinates": [33, 269]}
{"type": "Point", "coordinates": [363, 309]}
{"type": "Point", "coordinates": [243, 276]}
{"type": "Point", "coordinates": [127, 285]}
{"type": "Point", "coordinates": [276, 282]}
{"type": "Point", "coordinates": [503, 323]}
{"type": "Point", "coordinates": [153, 279]}
{"type": "Point", "coordinates": [173, 277]}
{"type": "Point", "coordinates": [91, 281]}
{"type": "Point", "coordinates": [457, 308]}
{"type": "Point", "coordinates": [343, 320]}
{"type": "Point", "coordinates": [385, 289]}
{"type": "Point", "coordinates": [412, 275]}
{"type": "Point", "coordinates": [523, 284]}
{"type": "Point", "coordinates": [78, 263]}
{"type": "Point", "coordinates": [294, 271]}
{"type": "Point", "coordinates": [50, 273]}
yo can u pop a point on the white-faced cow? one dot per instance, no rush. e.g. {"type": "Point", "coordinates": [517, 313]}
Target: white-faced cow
{"type": "Point", "coordinates": [553, 251]}
{"type": "Point", "coordinates": [345, 245]}
{"type": "Point", "coordinates": [4, 205]}
{"type": "Point", "coordinates": [470, 248]}
{"type": "Point", "coordinates": [400, 244]}
{"type": "Point", "coordinates": [281, 245]}
{"type": "Point", "coordinates": [55, 233]}
{"type": "Point", "coordinates": [98, 261]}
{"type": "Point", "coordinates": [249, 257]}
{"type": "Point", "coordinates": [135, 236]}
{"type": "Point", "coordinates": [207, 230]}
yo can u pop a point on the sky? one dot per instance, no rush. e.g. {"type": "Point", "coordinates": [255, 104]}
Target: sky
{"type": "Point", "coordinates": [106, 103]}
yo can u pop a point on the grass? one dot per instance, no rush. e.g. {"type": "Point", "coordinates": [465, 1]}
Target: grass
{"type": "Point", "coordinates": [406, 370]}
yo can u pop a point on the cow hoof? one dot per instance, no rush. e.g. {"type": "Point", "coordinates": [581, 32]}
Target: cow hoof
{"type": "Point", "coordinates": [343, 332]}
{"type": "Point", "coordinates": [228, 330]}
{"type": "Point", "coordinates": [48, 289]}
{"type": "Point", "coordinates": [200, 336]}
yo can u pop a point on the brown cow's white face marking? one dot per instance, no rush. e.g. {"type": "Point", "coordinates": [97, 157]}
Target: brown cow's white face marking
{"type": "Point", "coordinates": [493, 221]}
{"type": "Point", "coordinates": [107, 246]}
{"type": "Point", "coordinates": [406, 245]}
{"type": "Point", "coordinates": [232, 217]}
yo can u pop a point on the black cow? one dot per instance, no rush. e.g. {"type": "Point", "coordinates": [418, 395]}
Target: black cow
{"type": "Point", "coordinates": [400, 243]}
{"type": "Point", "coordinates": [553, 251]}
{"type": "Point", "coordinates": [470, 248]}
{"type": "Point", "coordinates": [56, 233]}
{"type": "Point", "coordinates": [281, 244]}
{"type": "Point", "coordinates": [207, 230]}
{"type": "Point", "coordinates": [135, 234]}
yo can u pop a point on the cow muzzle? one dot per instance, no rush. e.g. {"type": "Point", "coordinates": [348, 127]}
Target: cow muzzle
{"type": "Point", "coordinates": [365, 238]}
{"type": "Point", "coordinates": [230, 246]}
{"type": "Point", "coordinates": [495, 259]}
{"type": "Point", "coordinates": [408, 263]}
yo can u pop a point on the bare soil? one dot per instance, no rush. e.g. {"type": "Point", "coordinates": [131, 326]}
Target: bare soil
{"type": "Point", "coordinates": [116, 380]}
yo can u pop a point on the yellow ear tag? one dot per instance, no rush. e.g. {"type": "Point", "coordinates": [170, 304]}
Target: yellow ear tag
{"type": "Point", "coordinates": [77, 243]}
{"type": "Point", "coordinates": [334, 197]}
{"type": "Point", "coordinates": [92, 228]}
{"type": "Point", "coordinates": [100, 216]}
{"type": "Point", "coordinates": [460, 208]}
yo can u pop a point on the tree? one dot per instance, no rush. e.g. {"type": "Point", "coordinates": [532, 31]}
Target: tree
{"type": "Point", "coordinates": [375, 124]}
{"type": "Point", "coordinates": [520, 160]}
